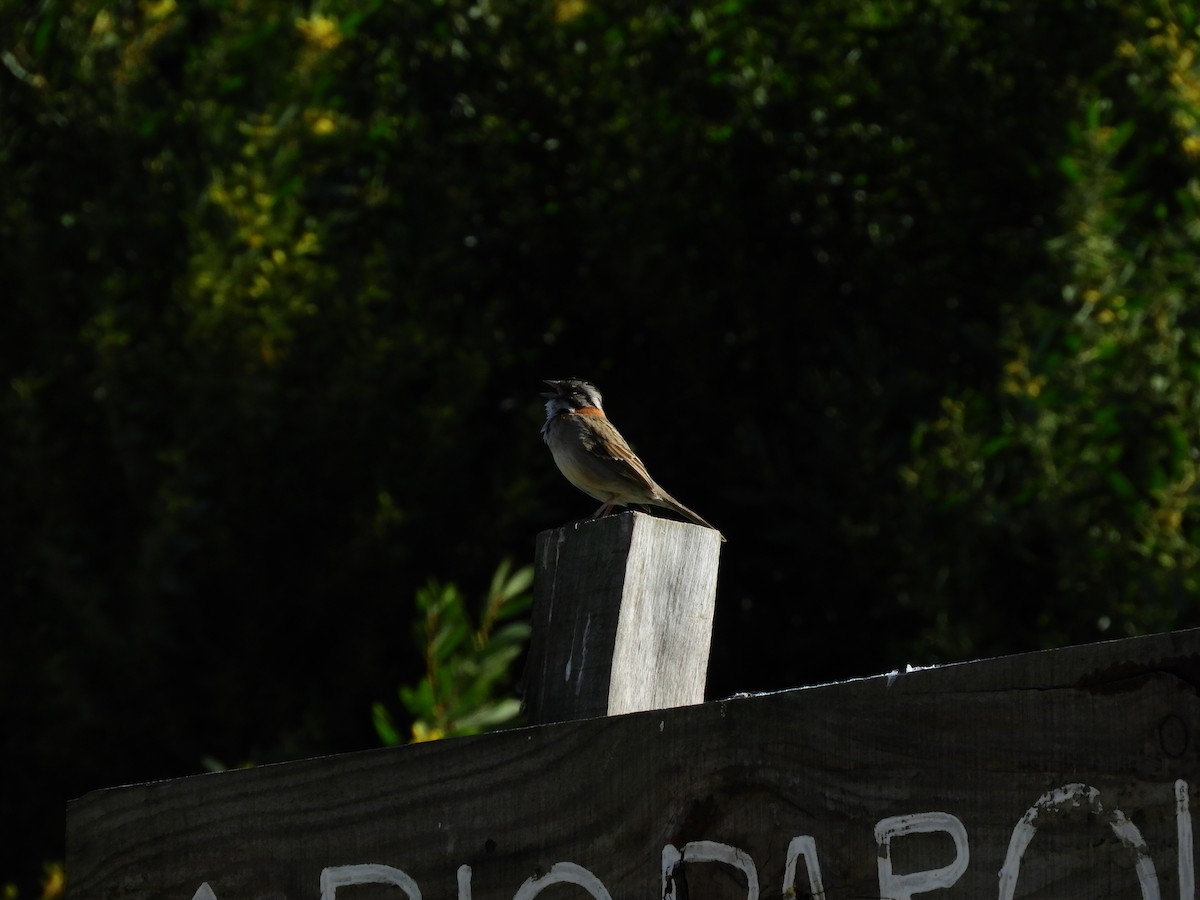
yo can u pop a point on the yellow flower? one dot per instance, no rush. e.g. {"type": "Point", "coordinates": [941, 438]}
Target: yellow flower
{"type": "Point", "coordinates": [320, 31]}
{"type": "Point", "coordinates": [566, 10]}
{"type": "Point", "coordinates": [308, 243]}
{"type": "Point", "coordinates": [103, 24]}
{"type": "Point", "coordinates": [159, 9]}
{"type": "Point", "coordinates": [54, 886]}
{"type": "Point", "coordinates": [422, 731]}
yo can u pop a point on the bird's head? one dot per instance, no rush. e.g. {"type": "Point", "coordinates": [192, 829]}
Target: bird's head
{"type": "Point", "coordinates": [569, 396]}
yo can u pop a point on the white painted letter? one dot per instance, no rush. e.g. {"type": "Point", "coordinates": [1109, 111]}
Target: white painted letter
{"type": "Point", "coordinates": [805, 846]}
{"type": "Point", "coordinates": [902, 887]}
{"type": "Point", "coordinates": [562, 872]}
{"type": "Point", "coordinates": [334, 877]}
{"type": "Point", "coordinates": [1187, 853]}
{"type": "Point", "coordinates": [707, 851]}
{"type": "Point", "coordinates": [1071, 796]}
{"type": "Point", "coordinates": [204, 892]}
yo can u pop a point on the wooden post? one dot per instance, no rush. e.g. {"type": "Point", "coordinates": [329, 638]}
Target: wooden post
{"type": "Point", "coordinates": [622, 617]}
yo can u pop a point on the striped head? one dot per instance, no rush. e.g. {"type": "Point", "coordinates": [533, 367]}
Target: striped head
{"type": "Point", "coordinates": [569, 395]}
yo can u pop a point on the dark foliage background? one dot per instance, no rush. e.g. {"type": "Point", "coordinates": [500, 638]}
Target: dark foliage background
{"type": "Point", "coordinates": [902, 295]}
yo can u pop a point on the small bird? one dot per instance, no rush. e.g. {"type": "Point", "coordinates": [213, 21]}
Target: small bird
{"type": "Point", "coordinates": [590, 451]}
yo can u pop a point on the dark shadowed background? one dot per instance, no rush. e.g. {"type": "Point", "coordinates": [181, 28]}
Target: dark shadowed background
{"type": "Point", "coordinates": [900, 295]}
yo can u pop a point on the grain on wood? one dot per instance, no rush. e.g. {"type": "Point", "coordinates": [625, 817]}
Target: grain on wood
{"type": "Point", "coordinates": [967, 783]}
{"type": "Point", "coordinates": [622, 618]}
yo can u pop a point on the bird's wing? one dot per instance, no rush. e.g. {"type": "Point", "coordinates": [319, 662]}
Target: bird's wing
{"type": "Point", "coordinates": [605, 441]}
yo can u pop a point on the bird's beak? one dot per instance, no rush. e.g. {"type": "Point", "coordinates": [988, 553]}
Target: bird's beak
{"type": "Point", "coordinates": [550, 395]}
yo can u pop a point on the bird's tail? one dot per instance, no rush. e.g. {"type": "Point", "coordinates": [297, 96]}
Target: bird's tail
{"type": "Point", "coordinates": [666, 501]}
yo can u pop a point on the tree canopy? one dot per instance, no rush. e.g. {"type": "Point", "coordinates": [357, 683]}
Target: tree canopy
{"type": "Point", "coordinates": [901, 295]}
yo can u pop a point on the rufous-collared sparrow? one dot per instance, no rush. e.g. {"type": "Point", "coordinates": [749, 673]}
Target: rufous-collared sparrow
{"type": "Point", "coordinates": [590, 451]}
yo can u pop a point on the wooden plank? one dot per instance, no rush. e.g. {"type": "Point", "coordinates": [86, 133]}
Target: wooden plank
{"type": "Point", "coordinates": [1077, 666]}
{"type": "Point", "coordinates": [622, 617]}
{"type": "Point", "coordinates": [875, 787]}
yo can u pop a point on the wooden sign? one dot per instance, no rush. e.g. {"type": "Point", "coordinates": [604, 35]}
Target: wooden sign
{"type": "Point", "coordinates": [1067, 774]}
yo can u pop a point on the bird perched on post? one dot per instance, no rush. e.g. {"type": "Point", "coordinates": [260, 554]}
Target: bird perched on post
{"type": "Point", "coordinates": [590, 451]}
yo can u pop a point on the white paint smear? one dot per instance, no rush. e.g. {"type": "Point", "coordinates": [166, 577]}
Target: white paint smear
{"type": "Point", "coordinates": [803, 845]}
{"type": "Point", "coordinates": [334, 877]}
{"type": "Point", "coordinates": [1072, 796]}
{"type": "Point", "coordinates": [1187, 852]}
{"type": "Point", "coordinates": [902, 887]}
{"type": "Point", "coordinates": [563, 873]}
{"type": "Point", "coordinates": [708, 851]}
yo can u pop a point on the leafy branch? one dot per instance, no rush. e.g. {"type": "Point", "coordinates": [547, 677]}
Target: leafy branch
{"type": "Point", "coordinates": [467, 664]}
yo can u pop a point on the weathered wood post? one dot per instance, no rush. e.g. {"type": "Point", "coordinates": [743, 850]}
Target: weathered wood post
{"type": "Point", "coordinates": [622, 617]}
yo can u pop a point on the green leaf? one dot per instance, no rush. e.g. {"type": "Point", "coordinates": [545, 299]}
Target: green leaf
{"type": "Point", "coordinates": [719, 134]}
{"type": "Point", "coordinates": [46, 29]}
{"type": "Point", "coordinates": [519, 583]}
{"type": "Point", "coordinates": [467, 664]}
{"type": "Point", "coordinates": [385, 727]}
{"type": "Point", "coordinates": [995, 445]}
{"type": "Point", "coordinates": [490, 715]}
{"type": "Point", "coordinates": [512, 633]}
{"type": "Point", "coordinates": [1070, 168]}
{"type": "Point", "coordinates": [1121, 485]}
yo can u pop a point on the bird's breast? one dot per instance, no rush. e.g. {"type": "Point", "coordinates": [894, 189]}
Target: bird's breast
{"type": "Point", "coordinates": [565, 436]}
